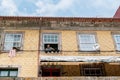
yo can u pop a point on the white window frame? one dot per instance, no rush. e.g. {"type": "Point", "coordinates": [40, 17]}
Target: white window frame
{"type": "Point", "coordinates": [58, 42]}
{"type": "Point", "coordinates": [93, 43]}
{"type": "Point", "coordinates": [8, 70]}
{"type": "Point", "coordinates": [116, 42]}
{"type": "Point", "coordinates": [20, 42]}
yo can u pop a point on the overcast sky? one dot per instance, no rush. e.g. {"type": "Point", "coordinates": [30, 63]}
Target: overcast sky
{"type": "Point", "coordinates": [71, 8]}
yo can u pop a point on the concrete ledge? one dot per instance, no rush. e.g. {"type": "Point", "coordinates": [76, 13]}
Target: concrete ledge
{"type": "Point", "coordinates": [64, 78]}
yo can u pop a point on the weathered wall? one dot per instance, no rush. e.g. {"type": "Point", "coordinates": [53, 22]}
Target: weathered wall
{"type": "Point", "coordinates": [26, 61]}
{"type": "Point", "coordinates": [71, 70]}
{"type": "Point", "coordinates": [64, 78]}
{"type": "Point", "coordinates": [75, 69]}
{"type": "Point", "coordinates": [112, 69]}
{"type": "Point", "coordinates": [69, 43]}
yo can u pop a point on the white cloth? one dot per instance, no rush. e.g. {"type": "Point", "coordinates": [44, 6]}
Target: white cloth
{"type": "Point", "coordinates": [12, 53]}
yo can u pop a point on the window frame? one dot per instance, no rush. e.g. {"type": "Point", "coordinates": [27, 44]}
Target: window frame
{"type": "Point", "coordinates": [114, 41]}
{"type": "Point", "coordinates": [94, 67]}
{"type": "Point", "coordinates": [9, 70]}
{"type": "Point", "coordinates": [86, 33]}
{"type": "Point", "coordinates": [8, 32]}
{"type": "Point", "coordinates": [42, 42]}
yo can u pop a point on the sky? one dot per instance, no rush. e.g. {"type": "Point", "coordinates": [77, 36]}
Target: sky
{"type": "Point", "coordinates": [59, 8]}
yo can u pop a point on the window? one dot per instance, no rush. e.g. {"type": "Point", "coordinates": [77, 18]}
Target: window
{"type": "Point", "coordinates": [117, 41]}
{"type": "Point", "coordinates": [8, 72]}
{"type": "Point", "coordinates": [52, 40]}
{"type": "Point", "coordinates": [86, 42]}
{"type": "Point", "coordinates": [0, 41]}
{"type": "Point", "coordinates": [12, 40]}
{"type": "Point", "coordinates": [51, 72]}
{"type": "Point", "coordinates": [92, 70]}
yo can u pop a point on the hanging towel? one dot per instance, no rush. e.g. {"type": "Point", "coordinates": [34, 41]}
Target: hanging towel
{"type": "Point", "coordinates": [12, 53]}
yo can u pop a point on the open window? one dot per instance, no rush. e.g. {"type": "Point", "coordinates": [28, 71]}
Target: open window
{"type": "Point", "coordinates": [51, 42]}
{"type": "Point", "coordinates": [12, 40]}
{"type": "Point", "coordinates": [117, 41]}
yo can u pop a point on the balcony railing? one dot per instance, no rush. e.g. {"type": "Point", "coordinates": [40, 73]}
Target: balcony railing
{"type": "Point", "coordinates": [64, 78]}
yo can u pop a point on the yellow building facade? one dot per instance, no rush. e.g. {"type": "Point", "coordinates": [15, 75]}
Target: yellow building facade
{"type": "Point", "coordinates": [73, 58]}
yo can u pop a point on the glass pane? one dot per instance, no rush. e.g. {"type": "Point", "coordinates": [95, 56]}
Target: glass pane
{"type": "Point", "coordinates": [50, 38]}
{"type": "Point", "coordinates": [4, 73]}
{"type": "Point", "coordinates": [56, 36]}
{"type": "Point", "coordinates": [13, 73]}
{"type": "Point", "coordinates": [117, 38]}
{"type": "Point", "coordinates": [118, 47]}
{"type": "Point", "coordinates": [56, 40]}
{"type": "Point", "coordinates": [17, 38]}
{"type": "Point", "coordinates": [45, 36]}
{"type": "Point", "coordinates": [9, 38]}
{"type": "Point", "coordinates": [86, 38]}
{"type": "Point", "coordinates": [87, 47]}
{"type": "Point", "coordinates": [8, 45]}
{"type": "Point", "coordinates": [16, 44]}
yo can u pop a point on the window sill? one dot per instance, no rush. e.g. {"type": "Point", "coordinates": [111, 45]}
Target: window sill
{"type": "Point", "coordinates": [118, 51]}
{"type": "Point", "coordinates": [90, 52]}
{"type": "Point", "coordinates": [8, 52]}
{"type": "Point", "coordinates": [50, 52]}
{"type": "Point", "coordinates": [4, 52]}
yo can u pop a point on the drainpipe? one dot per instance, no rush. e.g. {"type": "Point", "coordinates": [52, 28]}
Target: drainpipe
{"type": "Point", "coordinates": [1, 39]}
{"type": "Point", "coordinates": [39, 43]}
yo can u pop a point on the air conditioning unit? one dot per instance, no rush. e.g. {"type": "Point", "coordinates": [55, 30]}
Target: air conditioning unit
{"type": "Point", "coordinates": [96, 47]}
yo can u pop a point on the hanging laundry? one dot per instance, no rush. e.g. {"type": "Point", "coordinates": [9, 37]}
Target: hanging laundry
{"type": "Point", "coordinates": [12, 52]}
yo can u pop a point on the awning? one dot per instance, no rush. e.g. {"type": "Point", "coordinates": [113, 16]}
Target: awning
{"type": "Point", "coordinates": [80, 58]}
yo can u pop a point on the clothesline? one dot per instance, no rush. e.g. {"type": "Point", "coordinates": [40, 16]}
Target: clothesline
{"type": "Point", "coordinates": [63, 51]}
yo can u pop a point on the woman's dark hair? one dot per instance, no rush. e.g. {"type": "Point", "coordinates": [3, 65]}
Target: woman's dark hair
{"type": "Point", "coordinates": [17, 49]}
{"type": "Point", "coordinates": [14, 48]}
